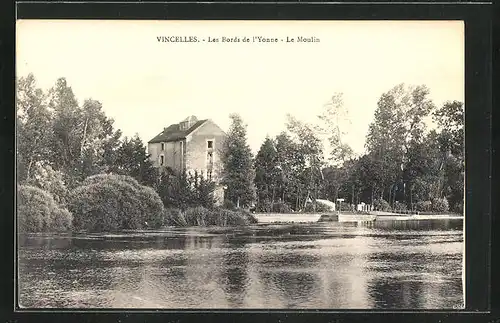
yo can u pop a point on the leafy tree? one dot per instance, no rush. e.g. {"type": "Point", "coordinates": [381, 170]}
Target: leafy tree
{"type": "Point", "coordinates": [450, 119]}
{"type": "Point", "coordinates": [237, 160]}
{"type": "Point", "coordinates": [50, 180]}
{"type": "Point", "coordinates": [183, 190]}
{"type": "Point", "coordinates": [291, 164]}
{"type": "Point", "coordinates": [398, 125]}
{"type": "Point", "coordinates": [333, 122]}
{"type": "Point", "coordinates": [37, 211]}
{"type": "Point", "coordinates": [266, 175]}
{"type": "Point", "coordinates": [67, 125]}
{"type": "Point", "coordinates": [82, 135]}
{"type": "Point", "coordinates": [133, 160]}
{"type": "Point", "coordinates": [33, 126]}
{"type": "Point", "coordinates": [311, 147]}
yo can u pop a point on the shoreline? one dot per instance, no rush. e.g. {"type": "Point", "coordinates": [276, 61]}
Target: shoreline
{"type": "Point", "coordinates": [349, 217]}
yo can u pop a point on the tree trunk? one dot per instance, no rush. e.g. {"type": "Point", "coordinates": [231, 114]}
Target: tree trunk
{"type": "Point", "coordinates": [28, 170]}
{"type": "Point", "coordinates": [83, 137]}
{"type": "Point", "coordinates": [273, 196]}
{"type": "Point", "coordinates": [411, 200]}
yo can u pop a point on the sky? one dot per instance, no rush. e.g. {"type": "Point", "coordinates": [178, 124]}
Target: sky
{"type": "Point", "coordinates": [146, 85]}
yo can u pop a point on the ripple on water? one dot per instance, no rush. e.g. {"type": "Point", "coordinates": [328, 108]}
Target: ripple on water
{"type": "Point", "coordinates": [287, 266]}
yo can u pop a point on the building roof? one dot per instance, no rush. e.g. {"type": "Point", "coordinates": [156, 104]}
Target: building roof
{"type": "Point", "coordinates": [174, 133]}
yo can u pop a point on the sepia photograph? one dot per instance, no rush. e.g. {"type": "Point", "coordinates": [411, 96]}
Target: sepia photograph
{"type": "Point", "coordinates": [183, 164]}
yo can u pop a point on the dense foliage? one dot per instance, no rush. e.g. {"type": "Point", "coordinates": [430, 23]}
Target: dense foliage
{"type": "Point", "coordinates": [183, 190]}
{"type": "Point", "coordinates": [113, 202]}
{"type": "Point", "coordinates": [407, 166]}
{"type": "Point", "coordinates": [238, 170]}
{"type": "Point", "coordinates": [37, 211]}
{"type": "Point", "coordinates": [201, 216]}
{"type": "Point", "coordinates": [70, 157]}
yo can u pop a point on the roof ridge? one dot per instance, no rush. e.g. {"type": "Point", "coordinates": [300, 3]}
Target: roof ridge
{"type": "Point", "coordinates": [175, 133]}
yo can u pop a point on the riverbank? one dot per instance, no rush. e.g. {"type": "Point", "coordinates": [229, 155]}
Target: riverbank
{"type": "Point", "coordinates": [287, 217]}
{"type": "Point", "coordinates": [348, 217]}
{"type": "Point", "coordinates": [401, 217]}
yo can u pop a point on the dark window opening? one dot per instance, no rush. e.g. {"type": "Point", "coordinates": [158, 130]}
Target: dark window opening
{"type": "Point", "coordinates": [161, 160]}
{"type": "Point", "coordinates": [210, 159]}
{"type": "Point", "coordinates": [210, 144]}
{"type": "Point", "coordinates": [162, 146]}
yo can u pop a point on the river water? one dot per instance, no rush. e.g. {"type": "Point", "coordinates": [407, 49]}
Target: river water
{"type": "Point", "coordinates": [331, 265]}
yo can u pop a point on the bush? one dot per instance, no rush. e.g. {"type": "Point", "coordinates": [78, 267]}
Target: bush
{"type": "Point", "coordinates": [381, 205]}
{"type": "Point", "coordinates": [281, 207]}
{"type": "Point", "coordinates": [49, 180]}
{"type": "Point", "coordinates": [200, 216]}
{"type": "Point", "coordinates": [174, 217]}
{"type": "Point", "coordinates": [186, 190]}
{"type": "Point", "coordinates": [318, 208]}
{"type": "Point", "coordinates": [264, 205]}
{"type": "Point", "coordinates": [440, 205]}
{"type": "Point", "coordinates": [37, 211]}
{"type": "Point", "coordinates": [423, 206]}
{"type": "Point", "coordinates": [233, 218]}
{"type": "Point", "coordinates": [228, 205]}
{"type": "Point", "coordinates": [109, 202]}
{"type": "Point", "coordinates": [459, 207]}
{"type": "Point", "coordinates": [399, 207]}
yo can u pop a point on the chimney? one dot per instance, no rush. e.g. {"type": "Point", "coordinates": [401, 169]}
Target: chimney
{"type": "Point", "coordinates": [188, 122]}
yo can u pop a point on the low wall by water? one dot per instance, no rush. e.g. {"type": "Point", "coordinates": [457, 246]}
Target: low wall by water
{"type": "Point", "coordinates": [286, 217]}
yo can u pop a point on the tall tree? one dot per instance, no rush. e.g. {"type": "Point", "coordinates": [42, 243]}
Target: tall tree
{"type": "Point", "coordinates": [67, 125]}
{"type": "Point", "coordinates": [33, 126]}
{"type": "Point", "coordinates": [237, 160]}
{"type": "Point", "coordinates": [291, 166]}
{"type": "Point", "coordinates": [133, 160]}
{"type": "Point", "coordinates": [311, 147]}
{"type": "Point", "coordinates": [398, 124]}
{"type": "Point", "coordinates": [82, 135]}
{"type": "Point", "coordinates": [333, 126]}
{"type": "Point", "coordinates": [266, 175]}
{"type": "Point", "coordinates": [450, 120]}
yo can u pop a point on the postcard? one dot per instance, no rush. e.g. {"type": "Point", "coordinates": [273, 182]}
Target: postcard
{"type": "Point", "coordinates": [240, 164]}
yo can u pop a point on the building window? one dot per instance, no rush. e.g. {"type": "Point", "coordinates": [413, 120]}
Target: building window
{"type": "Point", "coordinates": [210, 160]}
{"type": "Point", "coordinates": [162, 146]}
{"type": "Point", "coordinates": [209, 174]}
{"type": "Point", "coordinates": [210, 144]}
{"type": "Point", "coordinates": [162, 160]}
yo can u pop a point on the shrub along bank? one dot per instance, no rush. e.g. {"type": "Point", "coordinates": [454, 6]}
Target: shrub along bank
{"type": "Point", "coordinates": [109, 202]}
{"type": "Point", "coordinates": [201, 216]}
{"type": "Point", "coordinates": [37, 211]}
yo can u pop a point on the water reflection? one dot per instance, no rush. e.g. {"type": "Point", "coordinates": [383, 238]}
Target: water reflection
{"type": "Point", "coordinates": [389, 264]}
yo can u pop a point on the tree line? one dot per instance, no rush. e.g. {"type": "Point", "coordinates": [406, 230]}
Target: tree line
{"type": "Point", "coordinates": [407, 165]}
{"type": "Point", "coordinates": [76, 170]}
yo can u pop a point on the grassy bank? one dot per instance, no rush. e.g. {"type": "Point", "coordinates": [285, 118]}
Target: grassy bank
{"type": "Point", "coordinates": [200, 216]}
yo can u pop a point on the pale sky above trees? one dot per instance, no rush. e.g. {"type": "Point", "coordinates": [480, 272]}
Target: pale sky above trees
{"type": "Point", "coordinates": [145, 85]}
